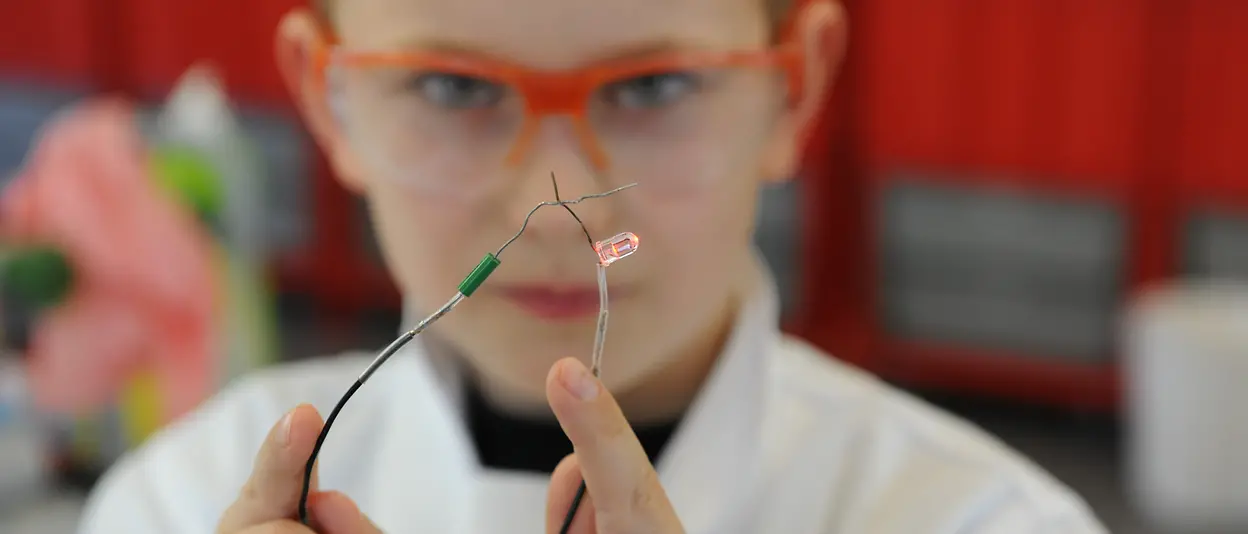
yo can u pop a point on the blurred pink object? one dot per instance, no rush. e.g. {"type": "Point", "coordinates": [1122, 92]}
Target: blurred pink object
{"type": "Point", "coordinates": [143, 298]}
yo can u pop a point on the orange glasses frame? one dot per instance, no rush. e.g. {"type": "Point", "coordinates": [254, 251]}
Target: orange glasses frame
{"type": "Point", "coordinates": [564, 92]}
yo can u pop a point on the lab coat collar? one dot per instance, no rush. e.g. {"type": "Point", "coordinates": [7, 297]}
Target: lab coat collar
{"type": "Point", "coordinates": [715, 455]}
{"type": "Point", "coordinates": [715, 458]}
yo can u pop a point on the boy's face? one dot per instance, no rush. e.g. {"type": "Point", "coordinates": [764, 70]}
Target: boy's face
{"type": "Point", "coordinates": [429, 150]}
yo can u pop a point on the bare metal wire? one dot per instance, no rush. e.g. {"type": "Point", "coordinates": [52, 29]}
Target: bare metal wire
{"type": "Point", "coordinates": [406, 337]}
{"type": "Point", "coordinates": [565, 204]}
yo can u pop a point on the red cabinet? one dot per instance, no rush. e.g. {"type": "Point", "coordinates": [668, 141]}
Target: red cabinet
{"type": "Point", "coordinates": [1211, 144]}
{"type": "Point", "coordinates": [162, 38]}
{"type": "Point", "coordinates": [49, 40]}
{"type": "Point", "coordinates": [1017, 164]}
{"type": "Point", "coordinates": [1210, 159]}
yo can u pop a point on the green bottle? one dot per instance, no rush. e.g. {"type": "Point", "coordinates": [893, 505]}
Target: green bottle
{"type": "Point", "coordinates": [189, 177]}
{"type": "Point", "coordinates": [39, 276]}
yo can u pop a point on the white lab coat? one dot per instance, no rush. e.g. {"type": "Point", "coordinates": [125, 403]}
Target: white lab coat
{"type": "Point", "coordinates": [782, 439]}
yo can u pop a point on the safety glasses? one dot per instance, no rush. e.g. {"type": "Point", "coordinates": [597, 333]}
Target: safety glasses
{"type": "Point", "coordinates": [447, 120]}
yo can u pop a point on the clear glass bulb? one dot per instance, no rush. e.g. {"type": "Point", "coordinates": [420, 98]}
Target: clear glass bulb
{"type": "Point", "coordinates": [617, 248]}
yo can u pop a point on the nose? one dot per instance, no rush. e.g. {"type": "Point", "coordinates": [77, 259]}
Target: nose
{"type": "Point", "coordinates": [531, 132]}
{"type": "Point", "coordinates": [557, 167]}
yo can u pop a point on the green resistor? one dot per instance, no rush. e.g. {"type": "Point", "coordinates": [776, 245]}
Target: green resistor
{"type": "Point", "coordinates": [478, 275]}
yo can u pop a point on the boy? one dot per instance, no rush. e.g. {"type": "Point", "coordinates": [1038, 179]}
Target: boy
{"type": "Point", "coordinates": [449, 116]}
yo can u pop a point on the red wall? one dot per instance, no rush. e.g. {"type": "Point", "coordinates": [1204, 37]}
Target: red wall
{"type": "Point", "coordinates": [27, 50]}
{"type": "Point", "coordinates": [1135, 106]}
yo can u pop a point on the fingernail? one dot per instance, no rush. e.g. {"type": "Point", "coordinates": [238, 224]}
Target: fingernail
{"type": "Point", "coordinates": [578, 381]}
{"type": "Point", "coordinates": [283, 430]}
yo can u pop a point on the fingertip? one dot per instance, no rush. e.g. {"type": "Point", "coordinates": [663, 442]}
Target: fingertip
{"type": "Point", "coordinates": [335, 512]}
{"type": "Point", "coordinates": [565, 482]}
{"type": "Point", "coordinates": [552, 376]}
{"type": "Point", "coordinates": [560, 366]}
{"type": "Point", "coordinates": [331, 501]}
{"type": "Point", "coordinates": [554, 379]}
{"type": "Point", "coordinates": [305, 426]}
{"type": "Point", "coordinates": [569, 469]}
{"type": "Point", "coordinates": [309, 411]}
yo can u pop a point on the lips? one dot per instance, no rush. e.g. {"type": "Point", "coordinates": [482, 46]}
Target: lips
{"type": "Point", "coordinates": [554, 303]}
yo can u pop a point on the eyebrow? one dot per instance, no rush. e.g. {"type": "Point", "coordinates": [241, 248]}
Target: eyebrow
{"type": "Point", "coordinates": [623, 53]}
{"type": "Point", "coordinates": [640, 50]}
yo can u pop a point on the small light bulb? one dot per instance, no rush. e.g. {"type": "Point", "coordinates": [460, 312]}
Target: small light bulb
{"type": "Point", "coordinates": [616, 248]}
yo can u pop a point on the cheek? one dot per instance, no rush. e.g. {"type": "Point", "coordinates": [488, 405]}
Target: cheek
{"type": "Point", "coordinates": [711, 219]}
{"type": "Point", "coordinates": [718, 157]}
{"type": "Point", "coordinates": [721, 180]}
{"type": "Point", "coordinates": [428, 243]}
{"type": "Point", "coordinates": [697, 242]}
{"type": "Point", "coordinates": [715, 227]}
{"type": "Point", "coordinates": [697, 238]}
{"type": "Point", "coordinates": [396, 157]}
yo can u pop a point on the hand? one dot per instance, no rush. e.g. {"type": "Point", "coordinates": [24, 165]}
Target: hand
{"type": "Point", "coordinates": [269, 502]}
{"type": "Point", "coordinates": [624, 495]}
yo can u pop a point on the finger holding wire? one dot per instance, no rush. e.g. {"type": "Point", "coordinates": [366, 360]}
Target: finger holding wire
{"type": "Point", "coordinates": [624, 494]}
{"type": "Point", "coordinates": [466, 288]}
{"type": "Point", "coordinates": [609, 251]}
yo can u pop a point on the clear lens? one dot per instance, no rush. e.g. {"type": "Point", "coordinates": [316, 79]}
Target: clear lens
{"type": "Point", "coordinates": [668, 131]}
{"type": "Point", "coordinates": [431, 131]}
{"type": "Point", "coordinates": [682, 131]}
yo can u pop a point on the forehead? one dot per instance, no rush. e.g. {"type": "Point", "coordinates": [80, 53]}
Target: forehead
{"type": "Point", "coordinates": [552, 33]}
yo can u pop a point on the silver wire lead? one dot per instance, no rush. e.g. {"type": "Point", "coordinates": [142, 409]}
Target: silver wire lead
{"type": "Point", "coordinates": [556, 203]}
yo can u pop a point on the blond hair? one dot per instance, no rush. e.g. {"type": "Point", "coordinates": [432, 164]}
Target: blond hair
{"type": "Point", "coordinates": [777, 10]}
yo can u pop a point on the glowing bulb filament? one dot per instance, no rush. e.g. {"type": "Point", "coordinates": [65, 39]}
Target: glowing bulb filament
{"type": "Point", "coordinates": [616, 248]}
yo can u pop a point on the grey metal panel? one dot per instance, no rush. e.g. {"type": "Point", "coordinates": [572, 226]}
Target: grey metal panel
{"type": "Point", "coordinates": [1217, 245]}
{"type": "Point", "coordinates": [287, 153]}
{"type": "Point", "coordinates": [1069, 332]}
{"type": "Point", "coordinates": [1000, 268]}
{"type": "Point", "coordinates": [24, 109]}
{"type": "Point", "coordinates": [778, 238]}
{"type": "Point", "coordinates": [368, 242]}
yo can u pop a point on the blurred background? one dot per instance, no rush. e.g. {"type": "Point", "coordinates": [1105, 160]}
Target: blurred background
{"type": "Point", "coordinates": [1031, 212]}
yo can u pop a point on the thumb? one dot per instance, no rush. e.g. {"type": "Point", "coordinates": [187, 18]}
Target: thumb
{"type": "Point", "coordinates": [565, 483]}
{"type": "Point", "coordinates": [627, 494]}
{"type": "Point", "coordinates": [276, 483]}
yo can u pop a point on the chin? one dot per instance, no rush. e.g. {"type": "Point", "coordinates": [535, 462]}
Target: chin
{"type": "Point", "coordinates": [524, 356]}
{"type": "Point", "coordinates": [525, 373]}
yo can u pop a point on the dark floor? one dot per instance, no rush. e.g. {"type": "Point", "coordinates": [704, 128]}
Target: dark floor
{"type": "Point", "coordinates": [1082, 451]}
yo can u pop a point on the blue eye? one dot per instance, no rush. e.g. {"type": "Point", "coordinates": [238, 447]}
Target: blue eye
{"type": "Point", "coordinates": [653, 91]}
{"type": "Point", "coordinates": [455, 91]}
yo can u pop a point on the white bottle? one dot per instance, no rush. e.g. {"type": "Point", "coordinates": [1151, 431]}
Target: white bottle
{"type": "Point", "coordinates": [198, 116]}
{"type": "Point", "coordinates": [1186, 368]}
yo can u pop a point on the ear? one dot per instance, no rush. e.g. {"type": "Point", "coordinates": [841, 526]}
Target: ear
{"type": "Point", "coordinates": [823, 31]}
{"type": "Point", "coordinates": [300, 38]}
